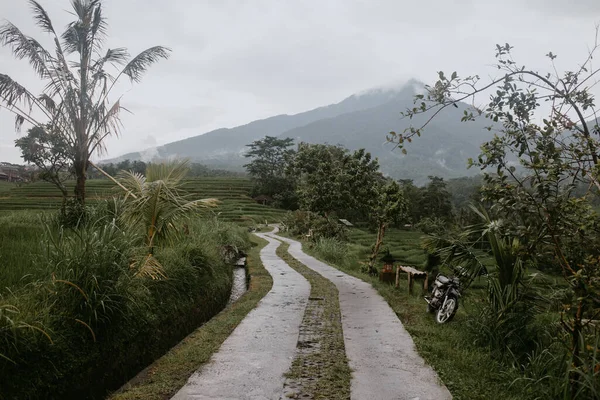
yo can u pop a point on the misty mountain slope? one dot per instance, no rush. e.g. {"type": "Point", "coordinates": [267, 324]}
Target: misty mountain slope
{"type": "Point", "coordinates": [359, 121]}
{"type": "Point", "coordinates": [223, 146]}
{"type": "Point", "coordinates": [442, 149]}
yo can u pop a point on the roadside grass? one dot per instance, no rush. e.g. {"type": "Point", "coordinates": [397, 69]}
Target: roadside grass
{"type": "Point", "coordinates": [320, 368]}
{"type": "Point", "coordinates": [162, 379]}
{"type": "Point", "coordinates": [468, 371]}
{"type": "Point", "coordinates": [20, 243]}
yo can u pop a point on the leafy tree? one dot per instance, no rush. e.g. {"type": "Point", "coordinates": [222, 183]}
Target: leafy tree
{"type": "Point", "coordinates": [389, 208]}
{"type": "Point", "coordinates": [48, 151]}
{"type": "Point", "coordinates": [413, 197]}
{"type": "Point", "coordinates": [330, 179]}
{"type": "Point", "coordinates": [270, 157]}
{"type": "Point", "coordinates": [156, 204]}
{"type": "Point", "coordinates": [435, 200]}
{"type": "Point", "coordinates": [555, 155]}
{"type": "Point", "coordinates": [75, 101]}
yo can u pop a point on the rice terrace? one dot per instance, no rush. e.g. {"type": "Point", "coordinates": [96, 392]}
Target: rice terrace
{"type": "Point", "coordinates": [203, 215]}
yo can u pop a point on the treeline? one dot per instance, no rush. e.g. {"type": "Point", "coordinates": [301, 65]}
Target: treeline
{"type": "Point", "coordinates": [137, 166]}
{"type": "Point", "coordinates": [331, 180]}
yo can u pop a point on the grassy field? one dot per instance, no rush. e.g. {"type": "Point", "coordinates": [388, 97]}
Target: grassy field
{"type": "Point", "coordinates": [23, 207]}
{"type": "Point", "coordinates": [234, 194]}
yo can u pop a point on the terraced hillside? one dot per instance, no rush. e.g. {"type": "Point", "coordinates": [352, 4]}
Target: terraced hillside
{"type": "Point", "coordinates": [233, 194]}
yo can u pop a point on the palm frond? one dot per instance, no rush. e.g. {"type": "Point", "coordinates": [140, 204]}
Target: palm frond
{"type": "Point", "coordinates": [13, 94]}
{"type": "Point", "coordinates": [24, 47]}
{"type": "Point", "coordinates": [117, 56]}
{"type": "Point", "coordinates": [140, 63]}
{"type": "Point", "coordinates": [148, 267]}
{"type": "Point", "coordinates": [133, 181]}
{"type": "Point", "coordinates": [41, 17]}
{"type": "Point", "coordinates": [173, 171]}
{"type": "Point", "coordinates": [99, 25]}
{"type": "Point", "coordinates": [73, 38]}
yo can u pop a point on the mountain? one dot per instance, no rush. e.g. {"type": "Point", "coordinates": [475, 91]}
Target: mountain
{"type": "Point", "coordinates": [225, 146]}
{"type": "Point", "coordinates": [359, 121]}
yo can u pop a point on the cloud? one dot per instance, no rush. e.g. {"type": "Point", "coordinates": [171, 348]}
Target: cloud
{"type": "Point", "coordinates": [238, 61]}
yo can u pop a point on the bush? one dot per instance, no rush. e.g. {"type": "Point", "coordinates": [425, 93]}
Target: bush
{"type": "Point", "coordinates": [334, 251]}
{"type": "Point", "coordinates": [301, 223]}
{"type": "Point", "coordinates": [105, 323]}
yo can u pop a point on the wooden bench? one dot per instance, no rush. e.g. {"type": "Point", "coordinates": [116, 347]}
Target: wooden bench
{"type": "Point", "coordinates": [413, 274]}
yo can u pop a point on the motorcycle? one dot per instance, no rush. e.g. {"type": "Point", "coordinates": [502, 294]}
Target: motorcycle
{"type": "Point", "coordinates": [444, 298]}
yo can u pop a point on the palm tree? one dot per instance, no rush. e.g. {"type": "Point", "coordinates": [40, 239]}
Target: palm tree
{"type": "Point", "coordinates": [75, 100]}
{"type": "Point", "coordinates": [156, 203]}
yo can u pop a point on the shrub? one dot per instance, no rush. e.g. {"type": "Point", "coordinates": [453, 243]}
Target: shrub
{"type": "Point", "coordinates": [301, 223]}
{"type": "Point", "coordinates": [105, 323]}
{"type": "Point", "coordinates": [334, 251]}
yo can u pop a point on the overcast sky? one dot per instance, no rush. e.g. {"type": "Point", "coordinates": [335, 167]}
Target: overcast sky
{"type": "Point", "coordinates": [236, 61]}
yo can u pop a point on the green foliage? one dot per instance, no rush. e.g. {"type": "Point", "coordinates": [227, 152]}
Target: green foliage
{"type": "Point", "coordinates": [270, 156]}
{"type": "Point", "coordinates": [432, 226]}
{"type": "Point", "coordinates": [102, 319]}
{"type": "Point", "coordinates": [333, 250]}
{"type": "Point", "coordinates": [431, 201]}
{"type": "Point", "coordinates": [390, 205]}
{"type": "Point", "coordinates": [49, 152]}
{"type": "Point", "coordinates": [155, 205]}
{"type": "Point", "coordinates": [313, 225]}
{"type": "Point", "coordinates": [330, 179]}
{"type": "Point", "coordinates": [540, 166]}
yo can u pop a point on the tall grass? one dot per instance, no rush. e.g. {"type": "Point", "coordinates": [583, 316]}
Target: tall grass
{"type": "Point", "coordinates": [20, 245]}
{"type": "Point", "coordinates": [86, 314]}
{"type": "Point", "coordinates": [334, 250]}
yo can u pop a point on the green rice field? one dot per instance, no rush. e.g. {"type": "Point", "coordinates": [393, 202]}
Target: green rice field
{"type": "Point", "coordinates": [233, 193]}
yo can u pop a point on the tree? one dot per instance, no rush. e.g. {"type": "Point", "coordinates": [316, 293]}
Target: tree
{"type": "Point", "coordinates": [435, 200]}
{"type": "Point", "coordinates": [155, 203]}
{"type": "Point", "coordinates": [537, 164]}
{"type": "Point", "coordinates": [48, 151]}
{"type": "Point", "coordinates": [75, 101]}
{"type": "Point", "coordinates": [330, 179]}
{"type": "Point", "coordinates": [389, 208]}
{"type": "Point", "coordinates": [413, 197]}
{"type": "Point", "coordinates": [270, 156]}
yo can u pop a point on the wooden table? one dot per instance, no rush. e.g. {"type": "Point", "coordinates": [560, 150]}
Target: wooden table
{"type": "Point", "coordinates": [413, 274]}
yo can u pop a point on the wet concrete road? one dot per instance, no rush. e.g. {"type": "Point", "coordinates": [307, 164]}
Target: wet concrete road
{"type": "Point", "coordinates": [251, 362]}
{"type": "Point", "coordinates": [381, 353]}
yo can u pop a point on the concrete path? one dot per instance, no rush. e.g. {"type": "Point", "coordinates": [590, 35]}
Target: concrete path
{"type": "Point", "coordinates": [381, 353]}
{"type": "Point", "coordinates": [251, 362]}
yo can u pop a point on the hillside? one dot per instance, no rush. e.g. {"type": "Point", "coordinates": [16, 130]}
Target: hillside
{"type": "Point", "coordinates": [359, 121]}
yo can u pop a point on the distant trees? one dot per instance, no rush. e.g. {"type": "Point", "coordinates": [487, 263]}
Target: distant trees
{"type": "Point", "coordinates": [331, 179]}
{"type": "Point", "coordinates": [431, 201]}
{"type": "Point", "coordinates": [269, 158]}
{"type": "Point", "coordinates": [75, 101]}
{"type": "Point", "coordinates": [113, 169]}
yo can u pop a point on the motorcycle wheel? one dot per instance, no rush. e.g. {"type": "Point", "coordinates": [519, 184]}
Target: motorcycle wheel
{"type": "Point", "coordinates": [447, 312]}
